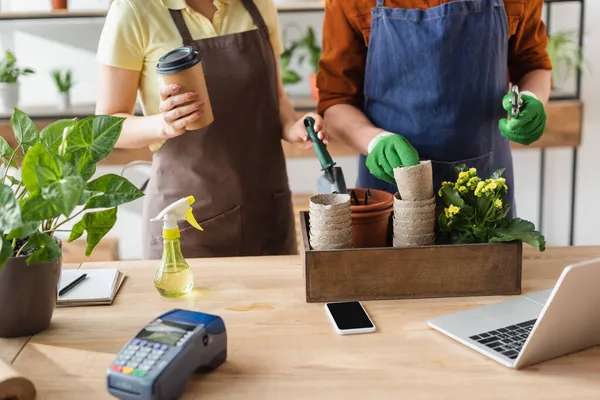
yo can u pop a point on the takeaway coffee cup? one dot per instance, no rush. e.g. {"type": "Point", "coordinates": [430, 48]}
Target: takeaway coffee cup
{"type": "Point", "coordinates": [183, 67]}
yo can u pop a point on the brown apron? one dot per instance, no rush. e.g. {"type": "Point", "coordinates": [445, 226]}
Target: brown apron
{"type": "Point", "coordinates": [235, 167]}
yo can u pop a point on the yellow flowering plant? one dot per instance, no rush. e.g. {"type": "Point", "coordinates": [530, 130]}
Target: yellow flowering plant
{"type": "Point", "coordinates": [475, 211]}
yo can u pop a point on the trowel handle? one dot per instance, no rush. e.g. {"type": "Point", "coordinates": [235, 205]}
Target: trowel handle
{"type": "Point", "coordinates": [318, 145]}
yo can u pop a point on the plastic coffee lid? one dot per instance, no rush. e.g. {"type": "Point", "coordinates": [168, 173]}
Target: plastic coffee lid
{"type": "Point", "coordinates": [177, 60]}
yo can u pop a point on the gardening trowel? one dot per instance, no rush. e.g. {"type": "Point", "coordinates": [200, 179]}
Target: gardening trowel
{"type": "Point", "coordinates": [332, 180]}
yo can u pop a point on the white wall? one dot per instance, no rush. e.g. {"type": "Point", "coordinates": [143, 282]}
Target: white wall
{"type": "Point", "coordinates": [47, 44]}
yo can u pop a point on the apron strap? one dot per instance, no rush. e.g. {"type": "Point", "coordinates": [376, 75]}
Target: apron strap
{"type": "Point", "coordinates": [380, 3]}
{"type": "Point", "coordinates": [257, 17]}
{"type": "Point", "coordinates": [182, 27]}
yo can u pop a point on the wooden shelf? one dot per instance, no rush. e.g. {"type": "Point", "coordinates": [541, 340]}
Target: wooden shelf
{"type": "Point", "coordinates": [10, 16]}
{"type": "Point", "coordinates": [300, 6]}
{"type": "Point", "coordinates": [563, 130]}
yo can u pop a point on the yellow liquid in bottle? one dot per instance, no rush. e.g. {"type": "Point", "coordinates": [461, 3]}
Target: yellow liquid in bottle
{"type": "Point", "coordinates": [173, 277]}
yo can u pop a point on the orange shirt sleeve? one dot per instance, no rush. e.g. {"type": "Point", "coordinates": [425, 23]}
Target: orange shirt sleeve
{"type": "Point", "coordinates": [342, 66]}
{"type": "Point", "coordinates": [528, 46]}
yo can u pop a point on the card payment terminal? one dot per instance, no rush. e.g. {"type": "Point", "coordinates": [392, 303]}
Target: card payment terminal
{"type": "Point", "coordinates": [157, 363]}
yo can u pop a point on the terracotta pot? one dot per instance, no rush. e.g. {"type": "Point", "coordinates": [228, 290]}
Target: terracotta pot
{"type": "Point", "coordinates": [27, 296]}
{"type": "Point", "coordinates": [59, 4]}
{"type": "Point", "coordinates": [370, 223]}
{"type": "Point", "coordinates": [314, 90]}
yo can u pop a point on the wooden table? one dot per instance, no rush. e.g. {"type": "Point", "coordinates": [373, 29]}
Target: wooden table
{"type": "Point", "coordinates": [283, 348]}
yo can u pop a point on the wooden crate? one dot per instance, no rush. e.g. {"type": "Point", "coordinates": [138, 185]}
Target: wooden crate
{"type": "Point", "coordinates": [410, 273]}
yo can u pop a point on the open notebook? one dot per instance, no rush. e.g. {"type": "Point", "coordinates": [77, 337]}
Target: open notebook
{"type": "Point", "coordinates": [99, 288]}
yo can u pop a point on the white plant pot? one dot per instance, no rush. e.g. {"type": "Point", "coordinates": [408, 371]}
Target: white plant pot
{"type": "Point", "coordinates": [9, 96]}
{"type": "Point", "coordinates": [64, 101]}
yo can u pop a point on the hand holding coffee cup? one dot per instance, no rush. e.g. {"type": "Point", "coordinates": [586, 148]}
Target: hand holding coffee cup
{"type": "Point", "coordinates": [185, 103]}
{"type": "Point", "coordinates": [178, 110]}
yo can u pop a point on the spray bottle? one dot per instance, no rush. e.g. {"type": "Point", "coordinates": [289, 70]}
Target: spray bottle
{"type": "Point", "coordinates": [174, 277]}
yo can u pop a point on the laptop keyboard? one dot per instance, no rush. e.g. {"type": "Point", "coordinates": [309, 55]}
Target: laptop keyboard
{"type": "Point", "coordinates": [508, 340]}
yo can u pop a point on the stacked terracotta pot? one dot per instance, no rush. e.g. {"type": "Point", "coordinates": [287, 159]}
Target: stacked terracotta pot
{"type": "Point", "coordinates": [330, 222]}
{"type": "Point", "coordinates": [414, 206]}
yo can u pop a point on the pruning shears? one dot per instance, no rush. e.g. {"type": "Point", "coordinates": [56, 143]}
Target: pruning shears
{"type": "Point", "coordinates": [517, 102]}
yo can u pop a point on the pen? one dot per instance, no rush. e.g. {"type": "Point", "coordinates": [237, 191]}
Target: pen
{"type": "Point", "coordinates": [72, 285]}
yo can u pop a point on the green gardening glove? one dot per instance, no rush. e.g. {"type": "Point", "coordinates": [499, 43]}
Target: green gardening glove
{"type": "Point", "coordinates": [529, 126]}
{"type": "Point", "coordinates": [387, 152]}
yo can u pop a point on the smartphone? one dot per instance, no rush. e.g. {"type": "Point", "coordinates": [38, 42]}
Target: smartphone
{"type": "Point", "coordinates": [349, 317]}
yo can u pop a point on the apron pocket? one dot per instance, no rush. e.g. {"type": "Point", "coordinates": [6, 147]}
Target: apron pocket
{"type": "Point", "coordinates": [220, 238]}
{"type": "Point", "coordinates": [446, 171]}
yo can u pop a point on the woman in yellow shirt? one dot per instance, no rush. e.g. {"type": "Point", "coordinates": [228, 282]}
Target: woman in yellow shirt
{"type": "Point", "coordinates": [235, 167]}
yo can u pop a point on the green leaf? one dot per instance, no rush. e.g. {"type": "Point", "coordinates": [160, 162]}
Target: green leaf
{"type": "Point", "coordinates": [483, 204]}
{"type": "Point", "coordinates": [461, 168]}
{"type": "Point", "coordinates": [290, 77]}
{"type": "Point", "coordinates": [7, 154]}
{"type": "Point", "coordinates": [13, 181]}
{"type": "Point", "coordinates": [97, 224]}
{"type": "Point", "coordinates": [5, 149]}
{"type": "Point", "coordinates": [86, 196]}
{"type": "Point", "coordinates": [38, 155]}
{"type": "Point", "coordinates": [115, 191]}
{"type": "Point", "coordinates": [10, 214]}
{"type": "Point", "coordinates": [65, 193]}
{"type": "Point", "coordinates": [452, 197]}
{"type": "Point", "coordinates": [51, 136]}
{"type": "Point", "coordinates": [91, 140]}
{"type": "Point", "coordinates": [25, 131]}
{"type": "Point", "coordinates": [24, 231]}
{"type": "Point", "coordinates": [58, 181]}
{"type": "Point", "coordinates": [45, 248]}
{"type": "Point", "coordinates": [519, 230]}
{"type": "Point", "coordinates": [36, 208]}
{"type": "Point", "coordinates": [6, 251]}
{"type": "Point", "coordinates": [498, 173]}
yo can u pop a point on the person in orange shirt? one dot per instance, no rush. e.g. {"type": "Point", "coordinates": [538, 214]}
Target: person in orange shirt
{"type": "Point", "coordinates": [403, 80]}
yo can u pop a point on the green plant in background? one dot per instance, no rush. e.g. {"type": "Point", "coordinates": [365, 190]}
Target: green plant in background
{"type": "Point", "coordinates": [10, 71]}
{"type": "Point", "coordinates": [565, 54]}
{"type": "Point", "coordinates": [63, 83]}
{"type": "Point", "coordinates": [308, 44]}
{"type": "Point", "coordinates": [475, 212]}
{"type": "Point", "coordinates": [288, 76]}
{"type": "Point", "coordinates": [56, 186]}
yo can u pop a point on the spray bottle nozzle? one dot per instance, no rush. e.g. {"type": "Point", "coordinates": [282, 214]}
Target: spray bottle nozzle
{"type": "Point", "coordinates": [179, 210]}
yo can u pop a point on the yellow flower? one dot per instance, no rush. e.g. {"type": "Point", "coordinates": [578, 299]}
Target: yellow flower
{"type": "Point", "coordinates": [479, 188]}
{"type": "Point", "coordinates": [473, 182]}
{"type": "Point", "coordinates": [491, 186]}
{"type": "Point", "coordinates": [451, 211]}
{"type": "Point", "coordinates": [463, 175]}
{"type": "Point", "coordinates": [462, 189]}
{"type": "Point", "coordinates": [498, 203]}
{"type": "Point", "coordinates": [472, 170]}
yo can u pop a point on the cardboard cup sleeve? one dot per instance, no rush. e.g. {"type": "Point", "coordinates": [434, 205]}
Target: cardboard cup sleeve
{"type": "Point", "coordinates": [415, 182]}
{"type": "Point", "coordinates": [329, 202]}
{"type": "Point", "coordinates": [13, 385]}
{"type": "Point", "coordinates": [410, 240]}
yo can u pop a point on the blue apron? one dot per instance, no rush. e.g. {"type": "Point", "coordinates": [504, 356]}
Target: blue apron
{"type": "Point", "coordinates": [437, 77]}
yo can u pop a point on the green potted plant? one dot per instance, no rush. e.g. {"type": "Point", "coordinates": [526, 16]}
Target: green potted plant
{"type": "Point", "coordinates": [55, 187]}
{"type": "Point", "coordinates": [476, 212]}
{"type": "Point", "coordinates": [565, 54]}
{"type": "Point", "coordinates": [10, 73]}
{"type": "Point", "coordinates": [64, 83]}
{"type": "Point", "coordinates": [308, 44]}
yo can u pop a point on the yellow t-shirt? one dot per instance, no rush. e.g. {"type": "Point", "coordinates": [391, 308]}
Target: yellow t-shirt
{"type": "Point", "coordinates": [137, 33]}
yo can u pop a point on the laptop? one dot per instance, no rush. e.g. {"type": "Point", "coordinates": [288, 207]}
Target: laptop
{"type": "Point", "coordinates": [537, 327]}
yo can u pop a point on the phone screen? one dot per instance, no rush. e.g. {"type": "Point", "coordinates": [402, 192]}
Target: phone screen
{"type": "Point", "coordinates": [349, 315]}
